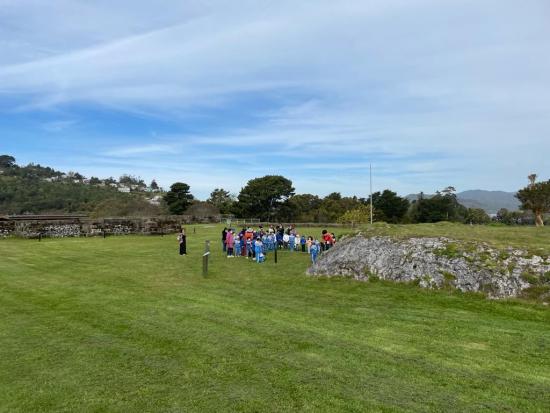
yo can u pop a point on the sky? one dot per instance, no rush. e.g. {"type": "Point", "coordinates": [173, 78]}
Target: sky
{"type": "Point", "coordinates": [213, 93]}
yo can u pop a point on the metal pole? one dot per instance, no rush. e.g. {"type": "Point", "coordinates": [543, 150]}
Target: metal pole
{"type": "Point", "coordinates": [205, 258]}
{"type": "Point", "coordinates": [370, 173]}
{"type": "Point", "coordinates": [276, 248]}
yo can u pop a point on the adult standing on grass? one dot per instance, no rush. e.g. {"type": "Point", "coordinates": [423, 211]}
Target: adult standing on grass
{"type": "Point", "coordinates": [224, 236]}
{"type": "Point", "coordinates": [182, 239]}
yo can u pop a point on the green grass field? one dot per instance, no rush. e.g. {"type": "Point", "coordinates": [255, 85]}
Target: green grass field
{"type": "Point", "coordinates": [125, 324]}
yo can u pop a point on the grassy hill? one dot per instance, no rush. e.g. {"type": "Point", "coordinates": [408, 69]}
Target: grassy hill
{"type": "Point", "coordinates": [125, 324]}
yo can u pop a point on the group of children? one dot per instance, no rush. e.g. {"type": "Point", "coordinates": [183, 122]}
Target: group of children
{"type": "Point", "coordinates": [255, 244]}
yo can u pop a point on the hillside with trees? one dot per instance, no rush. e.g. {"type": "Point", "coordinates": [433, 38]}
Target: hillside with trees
{"type": "Point", "coordinates": [37, 189]}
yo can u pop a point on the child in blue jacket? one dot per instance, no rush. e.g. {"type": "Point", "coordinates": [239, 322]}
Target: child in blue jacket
{"type": "Point", "coordinates": [237, 246]}
{"type": "Point", "coordinates": [314, 251]}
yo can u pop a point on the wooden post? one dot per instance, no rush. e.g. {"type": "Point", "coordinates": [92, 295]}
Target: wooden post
{"type": "Point", "coordinates": [205, 258]}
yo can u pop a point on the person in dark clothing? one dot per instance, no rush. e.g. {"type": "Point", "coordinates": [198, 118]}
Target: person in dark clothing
{"type": "Point", "coordinates": [182, 239]}
{"type": "Point", "coordinates": [224, 236]}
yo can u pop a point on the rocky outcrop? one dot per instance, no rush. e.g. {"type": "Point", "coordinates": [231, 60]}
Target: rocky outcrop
{"type": "Point", "coordinates": [439, 263]}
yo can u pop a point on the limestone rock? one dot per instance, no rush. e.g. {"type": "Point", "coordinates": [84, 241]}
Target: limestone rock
{"type": "Point", "coordinates": [436, 263]}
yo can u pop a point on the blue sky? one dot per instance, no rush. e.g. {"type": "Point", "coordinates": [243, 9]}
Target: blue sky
{"type": "Point", "coordinates": [212, 93]}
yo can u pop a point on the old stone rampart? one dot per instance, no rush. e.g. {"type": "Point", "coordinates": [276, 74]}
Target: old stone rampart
{"type": "Point", "coordinates": [35, 226]}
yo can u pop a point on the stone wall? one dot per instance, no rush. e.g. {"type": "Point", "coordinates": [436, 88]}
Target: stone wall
{"type": "Point", "coordinates": [75, 226]}
{"type": "Point", "coordinates": [439, 263]}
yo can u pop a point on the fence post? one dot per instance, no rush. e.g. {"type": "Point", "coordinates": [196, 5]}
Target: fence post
{"type": "Point", "coordinates": [205, 258]}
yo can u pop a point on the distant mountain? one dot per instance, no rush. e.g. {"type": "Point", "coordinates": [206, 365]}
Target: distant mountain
{"type": "Point", "coordinates": [490, 201]}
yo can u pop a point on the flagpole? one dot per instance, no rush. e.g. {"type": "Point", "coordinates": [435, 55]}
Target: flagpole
{"type": "Point", "coordinates": [370, 174]}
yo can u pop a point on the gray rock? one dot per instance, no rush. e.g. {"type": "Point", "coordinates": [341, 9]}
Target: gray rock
{"type": "Point", "coordinates": [434, 263]}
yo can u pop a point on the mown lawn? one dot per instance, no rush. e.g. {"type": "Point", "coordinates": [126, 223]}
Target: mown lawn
{"type": "Point", "coordinates": [125, 324]}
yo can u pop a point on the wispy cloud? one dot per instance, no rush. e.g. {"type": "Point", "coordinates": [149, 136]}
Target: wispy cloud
{"type": "Point", "coordinates": [419, 88]}
{"type": "Point", "coordinates": [58, 125]}
{"type": "Point", "coordinates": [150, 149]}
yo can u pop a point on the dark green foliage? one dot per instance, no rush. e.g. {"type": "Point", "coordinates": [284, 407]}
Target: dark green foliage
{"type": "Point", "coordinates": [334, 196]}
{"type": "Point", "coordinates": [303, 208]}
{"type": "Point", "coordinates": [389, 206]}
{"type": "Point", "coordinates": [333, 207]}
{"type": "Point", "coordinates": [178, 199]}
{"type": "Point", "coordinates": [37, 189]}
{"type": "Point", "coordinates": [443, 206]}
{"type": "Point", "coordinates": [263, 197]}
{"type": "Point", "coordinates": [476, 216]}
{"type": "Point", "coordinates": [509, 217]}
{"type": "Point", "coordinates": [7, 162]}
{"type": "Point", "coordinates": [222, 200]}
{"type": "Point", "coordinates": [133, 182]}
{"type": "Point", "coordinates": [28, 195]}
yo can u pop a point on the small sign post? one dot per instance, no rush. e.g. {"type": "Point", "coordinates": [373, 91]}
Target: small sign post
{"type": "Point", "coordinates": [205, 258]}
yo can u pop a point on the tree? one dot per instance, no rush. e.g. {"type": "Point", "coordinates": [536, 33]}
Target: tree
{"type": "Point", "coordinates": [303, 208]}
{"type": "Point", "coordinates": [7, 162]}
{"type": "Point", "coordinates": [335, 196]}
{"type": "Point", "coordinates": [263, 197]}
{"type": "Point", "coordinates": [221, 199]}
{"type": "Point", "coordinates": [477, 216]}
{"type": "Point", "coordinates": [154, 186]}
{"type": "Point", "coordinates": [440, 207]}
{"type": "Point", "coordinates": [536, 197]}
{"type": "Point", "coordinates": [359, 215]}
{"type": "Point", "coordinates": [178, 198]}
{"type": "Point", "coordinates": [132, 181]}
{"type": "Point", "coordinates": [390, 206]}
{"type": "Point", "coordinates": [510, 217]}
{"type": "Point", "coordinates": [94, 180]}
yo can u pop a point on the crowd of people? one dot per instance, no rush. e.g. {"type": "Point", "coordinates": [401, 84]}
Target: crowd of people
{"type": "Point", "coordinates": [257, 243]}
